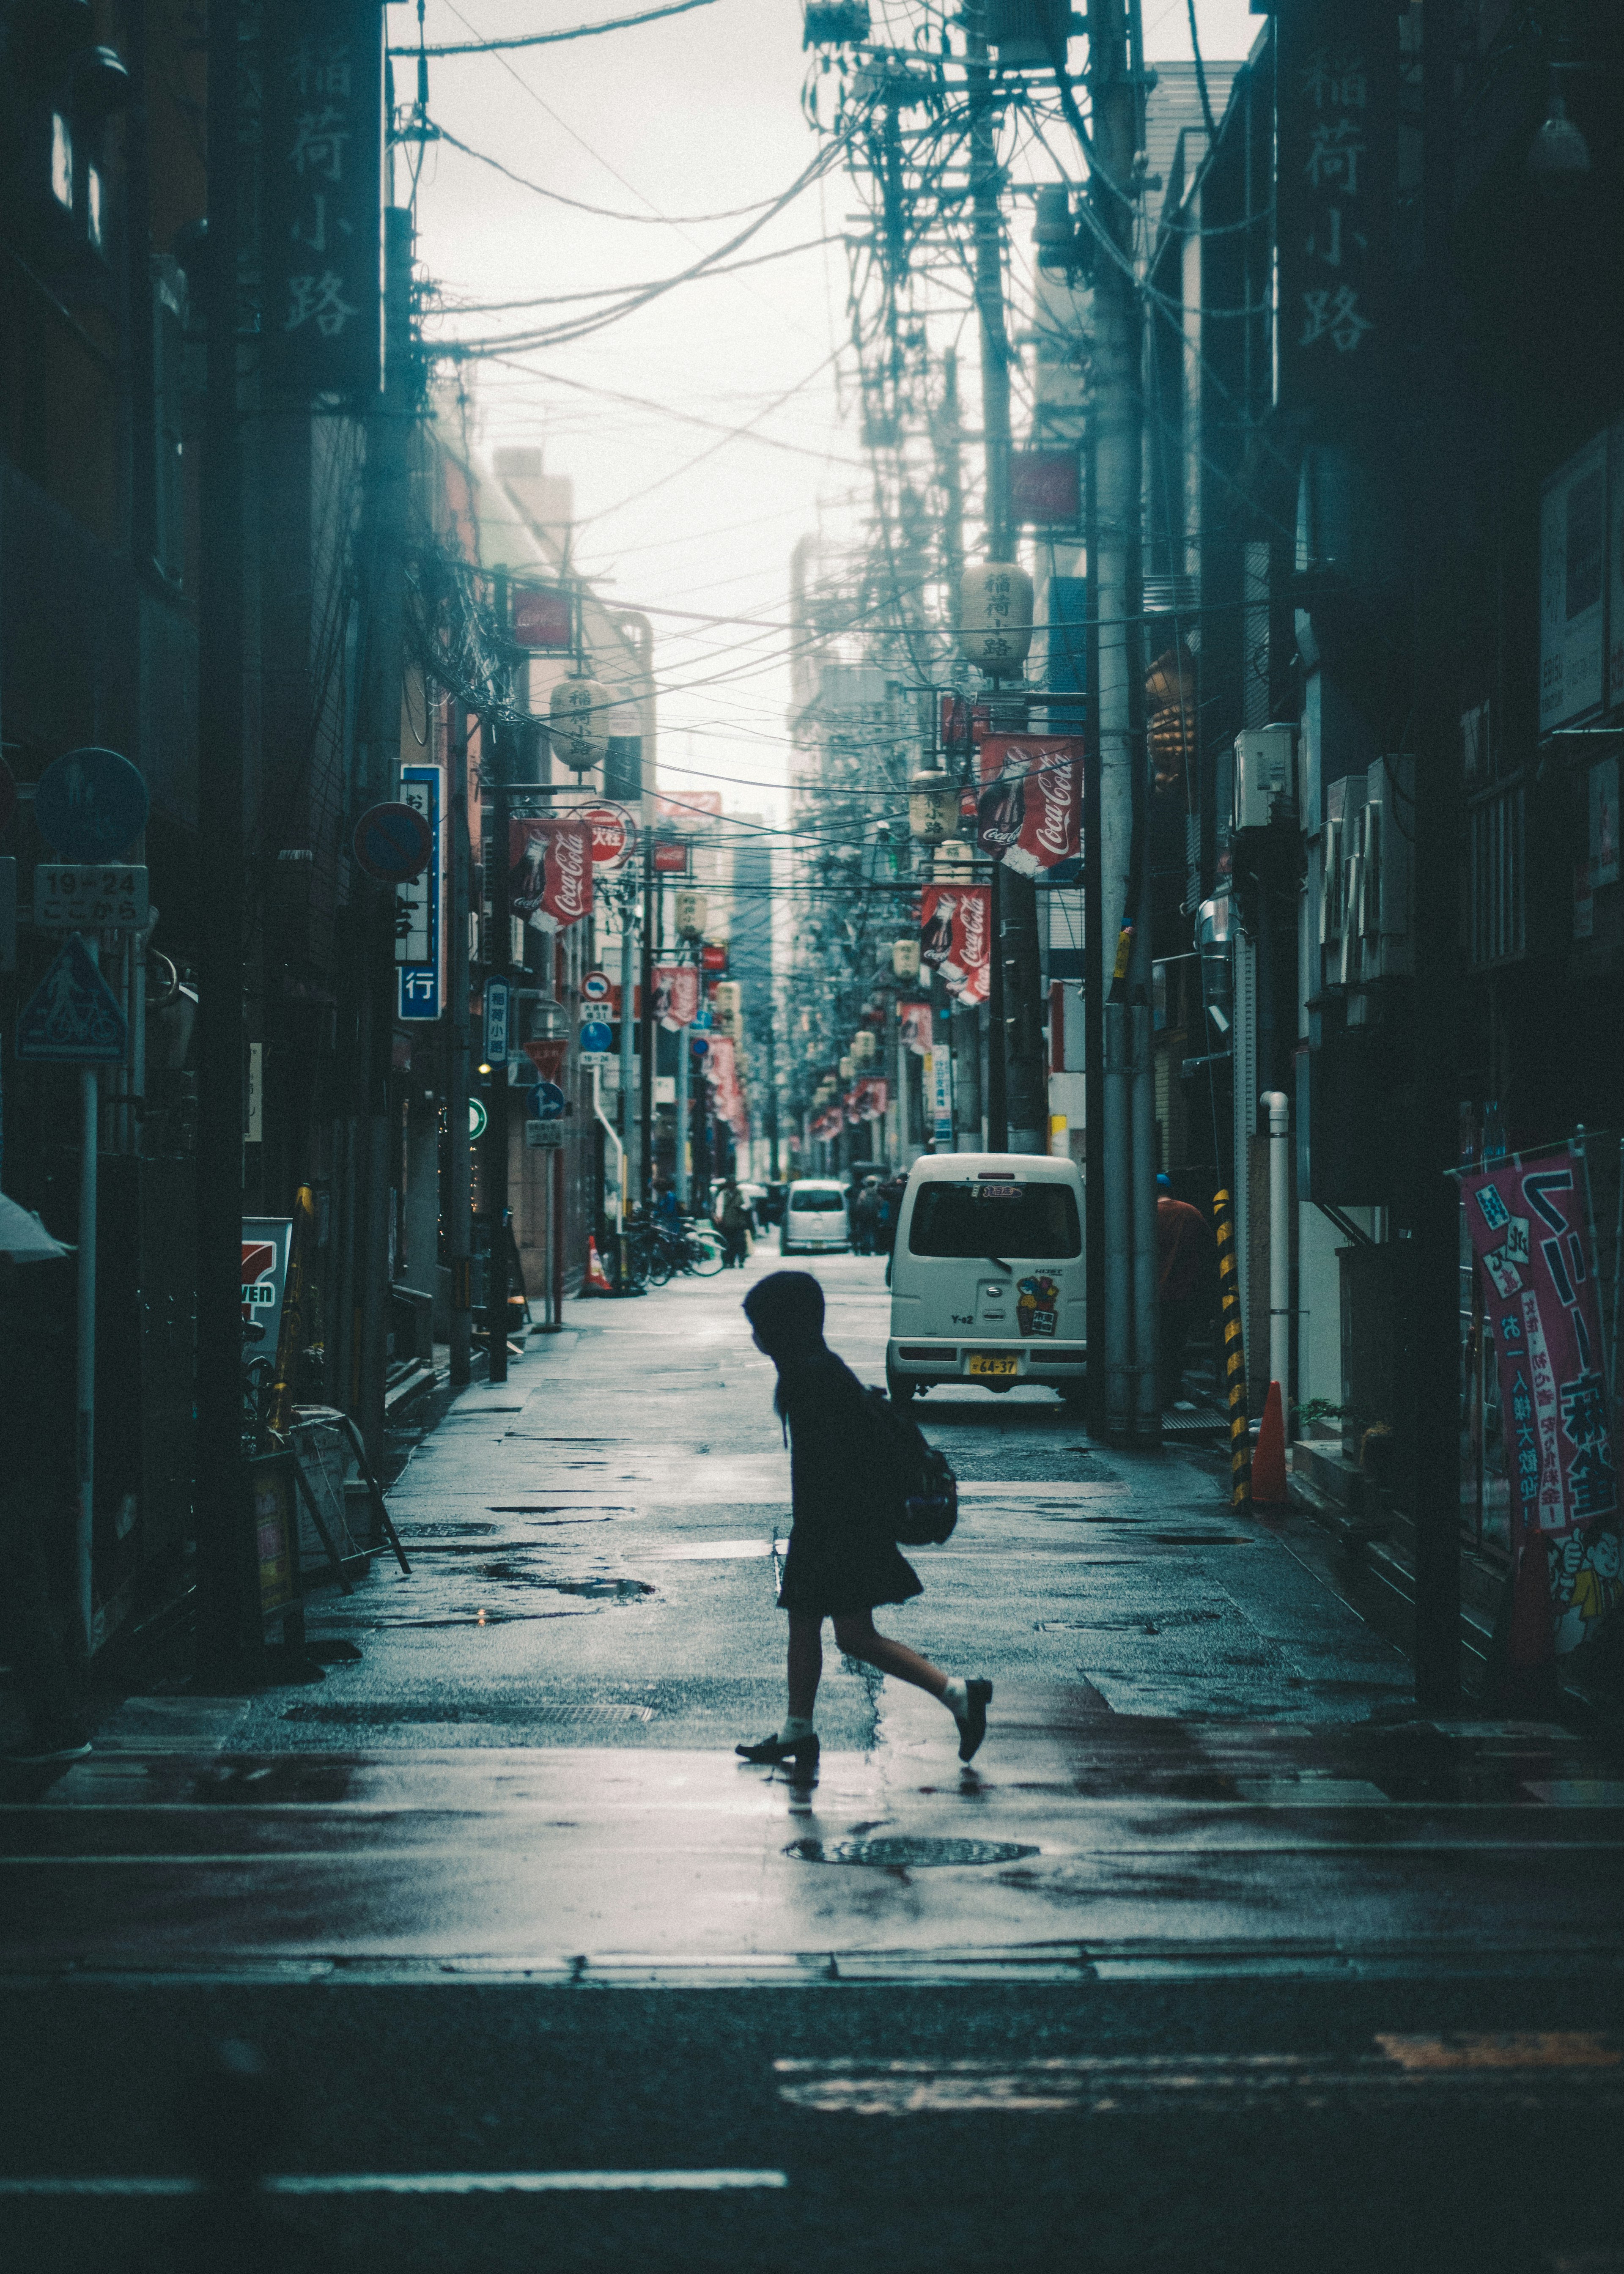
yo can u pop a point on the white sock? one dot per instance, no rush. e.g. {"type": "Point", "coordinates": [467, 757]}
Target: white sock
{"type": "Point", "coordinates": [955, 1697]}
{"type": "Point", "coordinates": [795, 1725]}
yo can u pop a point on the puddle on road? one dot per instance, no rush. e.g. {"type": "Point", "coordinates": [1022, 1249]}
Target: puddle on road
{"type": "Point", "coordinates": [601, 1589]}
{"type": "Point", "coordinates": [903, 1853]}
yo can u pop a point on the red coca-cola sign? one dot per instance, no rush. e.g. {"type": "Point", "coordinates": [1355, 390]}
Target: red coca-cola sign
{"type": "Point", "coordinates": [541, 618]}
{"type": "Point", "coordinates": [614, 836]}
{"type": "Point", "coordinates": [956, 937]}
{"type": "Point", "coordinates": [1029, 814]}
{"type": "Point", "coordinates": [550, 870]}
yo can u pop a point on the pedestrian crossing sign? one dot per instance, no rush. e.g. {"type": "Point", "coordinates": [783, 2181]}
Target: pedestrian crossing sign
{"type": "Point", "coordinates": [73, 1016]}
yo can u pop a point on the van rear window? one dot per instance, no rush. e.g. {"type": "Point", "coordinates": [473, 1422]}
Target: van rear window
{"type": "Point", "coordinates": [817, 1203]}
{"type": "Point", "coordinates": [1028, 1220]}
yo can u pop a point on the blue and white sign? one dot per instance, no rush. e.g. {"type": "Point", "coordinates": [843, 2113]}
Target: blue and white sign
{"type": "Point", "coordinates": [596, 1036]}
{"type": "Point", "coordinates": [544, 1101]}
{"type": "Point", "coordinates": [90, 805]}
{"type": "Point", "coordinates": [496, 1022]}
{"type": "Point", "coordinates": [419, 932]}
{"type": "Point", "coordinates": [73, 1016]}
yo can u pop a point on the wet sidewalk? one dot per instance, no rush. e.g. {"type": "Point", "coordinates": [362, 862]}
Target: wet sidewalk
{"type": "Point", "coordinates": [521, 1760]}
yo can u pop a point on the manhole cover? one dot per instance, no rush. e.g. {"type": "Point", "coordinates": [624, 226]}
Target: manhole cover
{"type": "Point", "coordinates": [901, 1853]}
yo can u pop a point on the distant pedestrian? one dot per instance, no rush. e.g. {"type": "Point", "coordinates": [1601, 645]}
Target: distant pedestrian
{"type": "Point", "coordinates": [890, 1198]}
{"type": "Point", "coordinates": [866, 1216]}
{"type": "Point", "coordinates": [842, 1560]}
{"type": "Point", "coordinates": [1184, 1251]}
{"type": "Point", "coordinates": [733, 1216]}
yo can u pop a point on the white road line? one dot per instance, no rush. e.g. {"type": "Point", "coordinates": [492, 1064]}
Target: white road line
{"type": "Point", "coordinates": [422, 2183]}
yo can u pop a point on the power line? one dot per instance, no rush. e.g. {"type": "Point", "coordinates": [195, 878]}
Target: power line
{"type": "Point", "coordinates": [551, 39]}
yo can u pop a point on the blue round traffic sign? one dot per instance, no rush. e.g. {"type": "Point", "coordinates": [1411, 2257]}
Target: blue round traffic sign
{"type": "Point", "coordinates": [545, 1102]}
{"type": "Point", "coordinates": [90, 804]}
{"type": "Point", "coordinates": [596, 1035]}
{"type": "Point", "coordinates": [701, 1048]}
{"type": "Point", "coordinates": [392, 843]}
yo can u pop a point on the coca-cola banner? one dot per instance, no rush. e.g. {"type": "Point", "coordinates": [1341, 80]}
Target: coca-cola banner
{"type": "Point", "coordinates": [1530, 1227]}
{"type": "Point", "coordinates": [828, 1124]}
{"type": "Point", "coordinates": [549, 870]}
{"type": "Point", "coordinates": [955, 936]}
{"type": "Point", "coordinates": [914, 1020]}
{"type": "Point", "coordinates": [1029, 814]}
{"type": "Point", "coordinates": [676, 995]}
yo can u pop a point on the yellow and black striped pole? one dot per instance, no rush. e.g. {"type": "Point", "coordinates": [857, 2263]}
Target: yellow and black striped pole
{"type": "Point", "coordinates": [1234, 1357]}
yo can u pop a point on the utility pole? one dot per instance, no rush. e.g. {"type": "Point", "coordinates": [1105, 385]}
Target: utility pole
{"type": "Point", "coordinates": [1125, 1162]}
{"type": "Point", "coordinates": [456, 1201]}
{"type": "Point", "coordinates": [377, 748]}
{"type": "Point", "coordinates": [230, 1629]}
{"type": "Point", "coordinates": [1017, 1101]}
{"type": "Point", "coordinates": [500, 743]}
{"type": "Point", "coordinates": [646, 1030]}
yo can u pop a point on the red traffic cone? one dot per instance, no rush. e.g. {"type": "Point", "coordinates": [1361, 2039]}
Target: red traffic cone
{"type": "Point", "coordinates": [597, 1280]}
{"type": "Point", "coordinates": [1269, 1459]}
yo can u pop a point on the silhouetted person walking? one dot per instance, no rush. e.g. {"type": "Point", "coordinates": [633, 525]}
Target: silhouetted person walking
{"type": "Point", "coordinates": [842, 1560]}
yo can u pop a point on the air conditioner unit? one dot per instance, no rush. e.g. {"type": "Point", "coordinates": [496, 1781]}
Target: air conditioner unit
{"type": "Point", "coordinates": [1386, 942]}
{"type": "Point", "coordinates": [1265, 776]}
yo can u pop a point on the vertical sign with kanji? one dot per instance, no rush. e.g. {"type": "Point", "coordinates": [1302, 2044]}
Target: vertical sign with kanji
{"type": "Point", "coordinates": [1337, 82]}
{"type": "Point", "coordinates": [322, 318]}
{"type": "Point", "coordinates": [1529, 1228]}
{"type": "Point", "coordinates": [419, 941]}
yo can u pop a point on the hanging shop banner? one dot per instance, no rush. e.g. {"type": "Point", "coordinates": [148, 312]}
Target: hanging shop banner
{"type": "Point", "coordinates": [1529, 1228]}
{"type": "Point", "coordinates": [676, 995]}
{"type": "Point", "coordinates": [1046, 488]}
{"type": "Point", "coordinates": [1029, 813]}
{"type": "Point", "coordinates": [1337, 81]}
{"type": "Point", "coordinates": [550, 870]}
{"type": "Point", "coordinates": [322, 322]}
{"type": "Point", "coordinates": [419, 937]}
{"type": "Point", "coordinates": [543, 619]}
{"type": "Point", "coordinates": [826, 1126]}
{"type": "Point", "coordinates": [914, 1020]}
{"type": "Point", "coordinates": [955, 938]}
{"type": "Point", "coordinates": [722, 1071]}
{"type": "Point", "coordinates": [869, 1099]}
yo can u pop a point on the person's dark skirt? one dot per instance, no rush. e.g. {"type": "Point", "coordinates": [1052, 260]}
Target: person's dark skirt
{"type": "Point", "coordinates": [841, 1559]}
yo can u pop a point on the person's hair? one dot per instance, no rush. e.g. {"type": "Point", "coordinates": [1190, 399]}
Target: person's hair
{"type": "Point", "coordinates": [786, 1310]}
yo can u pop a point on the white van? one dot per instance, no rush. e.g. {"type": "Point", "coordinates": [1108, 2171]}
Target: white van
{"type": "Point", "coordinates": [987, 1275]}
{"type": "Point", "coordinates": [814, 1218]}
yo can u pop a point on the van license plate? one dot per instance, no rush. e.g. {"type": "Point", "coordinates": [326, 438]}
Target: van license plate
{"type": "Point", "coordinates": [995, 1366]}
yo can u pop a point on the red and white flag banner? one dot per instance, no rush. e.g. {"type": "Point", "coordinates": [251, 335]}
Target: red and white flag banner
{"type": "Point", "coordinates": [915, 1018]}
{"type": "Point", "coordinates": [955, 938]}
{"type": "Point", "coordinates": [1030, 812]}
{"type": "Point", "coordinates": [676, 995]}
{"type": "Point", "coordinates": [722, 1067]}
{"type": "Point", "coordinates": [869, 1100]}
{"type": "Point", "coordinates": [549, 870]}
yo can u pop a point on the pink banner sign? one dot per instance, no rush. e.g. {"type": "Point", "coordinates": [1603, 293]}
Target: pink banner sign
{"type": "Point", "coordinates": [1529, 1229]}
{"type": "Point", "coordinates": [676, 995]}
{"type": "Point", "coordinates": [915, 1018]}
{"type": "Point", "coordinates": [549, 870]}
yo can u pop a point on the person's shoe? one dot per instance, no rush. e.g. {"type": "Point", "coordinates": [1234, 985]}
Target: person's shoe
{"type": "Point", "coordinates": [973, 1721]}
{"type": "Point", "coordinates": [45, 1745]}
{"type": "Point", "coordinates": [770, 1752]}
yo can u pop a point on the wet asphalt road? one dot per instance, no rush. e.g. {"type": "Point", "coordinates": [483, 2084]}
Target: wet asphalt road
{"type": "Point", "coordinates": [1218, 1958]}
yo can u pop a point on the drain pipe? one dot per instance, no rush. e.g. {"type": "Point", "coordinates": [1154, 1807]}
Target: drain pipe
{"type": "Point", "coordinates": [612, 1136]}
{"type": "Point", "coordinates": [1280, 1238]}
{"type": "Point", "coordinates": [1116, 1169]}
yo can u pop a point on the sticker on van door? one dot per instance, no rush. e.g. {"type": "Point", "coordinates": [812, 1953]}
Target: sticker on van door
{"type": "Point", "coordinates": [1037, 1304]}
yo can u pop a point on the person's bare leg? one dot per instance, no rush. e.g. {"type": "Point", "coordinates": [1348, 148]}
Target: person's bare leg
{"type": "Point", "coordinates": [859, 1637]}
{"type": "Point", "coordinates": [806, 1663]}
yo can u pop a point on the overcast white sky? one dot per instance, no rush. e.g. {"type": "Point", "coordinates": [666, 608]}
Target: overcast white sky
{"type": "Point", "coordinates": [692, 117]}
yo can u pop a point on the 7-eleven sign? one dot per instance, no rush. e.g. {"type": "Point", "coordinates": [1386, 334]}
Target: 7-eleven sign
{"type": "Point", "coordinates": [265, 1271]}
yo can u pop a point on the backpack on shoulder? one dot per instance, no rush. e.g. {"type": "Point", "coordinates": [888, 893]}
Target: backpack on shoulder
{"type": "Point", "coordinates": [918, 1499]}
